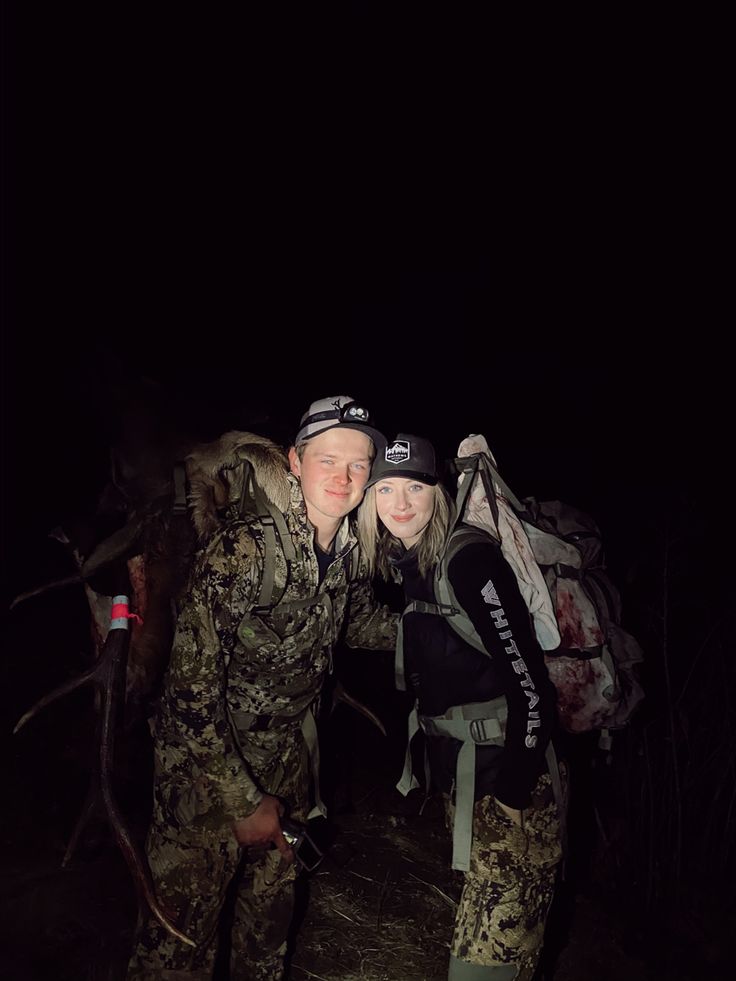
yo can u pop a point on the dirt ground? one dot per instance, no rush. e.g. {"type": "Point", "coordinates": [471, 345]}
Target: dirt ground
{"type": "Point", "coordinates": [380, 907]}
{"type": "Point", "coordinates": [382, 904]}
{"type": "Point", "coordinates": [384, 909]}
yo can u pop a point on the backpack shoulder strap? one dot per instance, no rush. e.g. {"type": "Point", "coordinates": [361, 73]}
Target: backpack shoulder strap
{"type": "Point", "coordinates": [352, 563]}
{"type": "Point", "coordinates": [180, 488]}
{"type": "Point", "coordinates": [455, 615]}
{"type": "Point", "coordinates": [254, 501]}
{"type": "Point", "coordinates": [481, 464]}
{"type": "Point", "coordinates": [446, 603]}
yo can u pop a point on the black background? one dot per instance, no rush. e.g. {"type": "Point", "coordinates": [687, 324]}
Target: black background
{"type": "Point", "coordinates": [249, 222]}
{"type": "Point", "coordinates": [255, 229]}
{"type": "Point", "coordinates": [244, 218]}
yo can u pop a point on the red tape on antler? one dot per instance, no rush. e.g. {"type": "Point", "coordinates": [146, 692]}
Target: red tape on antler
{"type": "Point", "coordinates": [120, 612]}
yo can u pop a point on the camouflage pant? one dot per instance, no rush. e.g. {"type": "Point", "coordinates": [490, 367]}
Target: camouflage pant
{"type": "Point", "coordinates": [508, 890]}
{"type": "Point", "coordinates": [193, 868]}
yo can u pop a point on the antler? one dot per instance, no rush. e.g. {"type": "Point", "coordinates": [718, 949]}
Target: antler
{"type": "Point", "coordinates": [108, 677]}
{"type": "Point", "coordinates": [340, 695]}
{"type": "Point", "coordinates": [40, 590]}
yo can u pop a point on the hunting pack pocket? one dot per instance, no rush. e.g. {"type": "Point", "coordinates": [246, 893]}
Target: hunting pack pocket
{"type": "Point", "coordinates": [253, 633]}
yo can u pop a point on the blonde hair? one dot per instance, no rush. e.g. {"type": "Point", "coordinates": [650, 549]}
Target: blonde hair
{"type": "Point", "coordinates": [376, 542]}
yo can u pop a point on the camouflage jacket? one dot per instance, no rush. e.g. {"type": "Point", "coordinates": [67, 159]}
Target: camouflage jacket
{"type": "Point", "coordinates": [237, 682]}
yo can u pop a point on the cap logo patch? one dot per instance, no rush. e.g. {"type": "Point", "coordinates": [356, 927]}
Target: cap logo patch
{"type": "Point", "coordinates": [398, 452]}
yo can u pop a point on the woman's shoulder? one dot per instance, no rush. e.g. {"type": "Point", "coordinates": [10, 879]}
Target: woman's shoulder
{"type": "Point", "coordinates": [469, 546]}
{"type": "Point", "coordinates": [468, 540]}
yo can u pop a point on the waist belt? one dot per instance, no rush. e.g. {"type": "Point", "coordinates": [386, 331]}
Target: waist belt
{"type": "Point", "coordinates": [250, 722]}
{"type": "Point", "coordinates": [474, 724]}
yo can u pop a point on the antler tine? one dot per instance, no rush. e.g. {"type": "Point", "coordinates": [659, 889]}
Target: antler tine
{"type": "Point", "coordinates": [40, 590]}
{"type": "Point", "coordinates": [91, 804]}
{"type": "Point", "coordinates": [68, 686]}
{"type": "Point", "coordinates": [115, 656]}
{"type": "Point", "coordinates": [108, 675]}
{"type": "Point", "coordinates": [340, 695]}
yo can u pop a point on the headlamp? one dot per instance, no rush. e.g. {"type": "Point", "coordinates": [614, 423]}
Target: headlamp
{"type": "Point", "coordinates": [354, 412]}
{"type": "Point", "coordinates": [331, 413]}
{"type": "Point", "coordinates": [350, 412]}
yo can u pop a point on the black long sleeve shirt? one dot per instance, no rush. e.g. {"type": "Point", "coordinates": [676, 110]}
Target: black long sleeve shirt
{"type": "Point", "coordinates": [444, 670]}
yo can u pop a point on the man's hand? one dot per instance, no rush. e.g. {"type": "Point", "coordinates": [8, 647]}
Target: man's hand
{"type": "Point", "coordinates": [263, 827]}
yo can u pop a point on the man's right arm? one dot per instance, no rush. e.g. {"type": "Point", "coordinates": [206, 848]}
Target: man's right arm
{"type": "Point", "coordinates": [224, 581]}
{"type": "Point", "coordinates": [264, 826]}
{"type": "Point", "coordinates": [368, 624]}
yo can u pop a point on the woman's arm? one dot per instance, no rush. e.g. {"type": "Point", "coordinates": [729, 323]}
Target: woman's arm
{"type": "Point", "coordinates": [486, 587]}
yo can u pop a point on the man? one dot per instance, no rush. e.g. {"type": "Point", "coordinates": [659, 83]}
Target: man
{"type": "Point", "coordinates": [236, 714]}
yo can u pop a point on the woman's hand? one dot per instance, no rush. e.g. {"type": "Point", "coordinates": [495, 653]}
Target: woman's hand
{"type": "Point", "coordinates": [263, 827]}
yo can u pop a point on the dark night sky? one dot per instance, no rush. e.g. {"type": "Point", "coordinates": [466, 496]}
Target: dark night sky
{"type": "Point", "coordinates": [545, 265]}
{"type": "Point", "coordinates": [252, 256]}
{"type": "Point", "coordinates": [610, 415]}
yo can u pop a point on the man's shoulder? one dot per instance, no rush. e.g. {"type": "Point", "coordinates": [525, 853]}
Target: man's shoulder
{"type": "Point", "coordinates": [251, 536]}
{"type": "Point", "coordinates": [238, 539]}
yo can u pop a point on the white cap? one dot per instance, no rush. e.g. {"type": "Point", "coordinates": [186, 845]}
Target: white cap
{"type": "Point", "coordinates": [339, 410]}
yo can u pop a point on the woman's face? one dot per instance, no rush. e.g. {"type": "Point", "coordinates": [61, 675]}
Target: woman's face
{"type": "Point", "coordinates": [405, 506]}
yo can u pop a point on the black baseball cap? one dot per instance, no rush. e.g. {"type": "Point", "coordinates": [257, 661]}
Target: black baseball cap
{"type": "Point", "coordinates": [406, 456]}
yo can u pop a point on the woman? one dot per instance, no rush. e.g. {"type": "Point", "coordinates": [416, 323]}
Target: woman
{"type": "Point", "coordinates": [495, 711]}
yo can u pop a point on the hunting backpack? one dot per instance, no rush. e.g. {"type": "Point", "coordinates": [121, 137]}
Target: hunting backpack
{"type": "Point", "coordinates": [556, 552]}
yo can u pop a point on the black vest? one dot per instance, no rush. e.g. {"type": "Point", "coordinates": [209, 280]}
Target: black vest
{"type": "Point", "coordinates": [443, 670]}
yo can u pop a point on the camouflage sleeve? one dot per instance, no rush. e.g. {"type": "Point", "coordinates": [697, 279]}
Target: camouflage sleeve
{"type": "Point", "coordinates": [368, 624]}
{"type": "Point", "coordinates": [225, 578]}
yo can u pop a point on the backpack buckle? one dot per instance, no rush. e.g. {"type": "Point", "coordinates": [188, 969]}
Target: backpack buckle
{"type": "Point", "coordinates": [478, 732]}
{"type": "Point", "coordinates": [429, 726]}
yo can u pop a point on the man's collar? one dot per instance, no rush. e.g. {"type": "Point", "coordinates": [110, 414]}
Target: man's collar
{"type": "Point", "coordinates": [345, 535]}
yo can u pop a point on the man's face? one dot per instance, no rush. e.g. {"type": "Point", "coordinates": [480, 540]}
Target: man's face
{"type": "Point", "coordinates": [333, 470]}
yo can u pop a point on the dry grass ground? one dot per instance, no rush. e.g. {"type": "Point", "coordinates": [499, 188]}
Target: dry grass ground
{"type": "Point", "coordinates": [382, 906]}
{"type": "Point", "coordinates": [379, 908]}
